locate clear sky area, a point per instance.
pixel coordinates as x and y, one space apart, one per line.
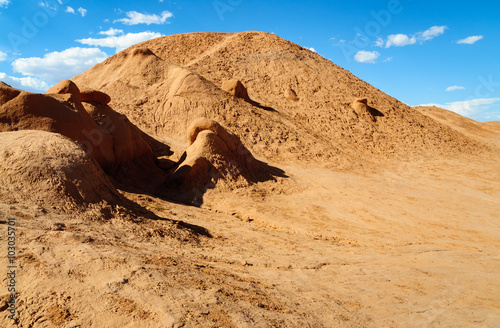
444 53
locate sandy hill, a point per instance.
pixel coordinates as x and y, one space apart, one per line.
483 131
297 195
301 104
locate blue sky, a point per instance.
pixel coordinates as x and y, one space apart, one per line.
421 52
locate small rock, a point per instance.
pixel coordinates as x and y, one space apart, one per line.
236 88
290 94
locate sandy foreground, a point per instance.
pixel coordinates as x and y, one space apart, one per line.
410 246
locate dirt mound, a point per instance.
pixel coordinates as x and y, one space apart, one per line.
7 93
215 156
60 113
164 84
488 132
134 160
51 170
108 136
161 98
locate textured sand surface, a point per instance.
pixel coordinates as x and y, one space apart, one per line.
311 206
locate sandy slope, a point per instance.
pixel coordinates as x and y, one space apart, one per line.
413 247
486 132
392 222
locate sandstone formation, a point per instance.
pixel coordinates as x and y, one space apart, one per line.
216 156
83 116
60 113
65 86
91 95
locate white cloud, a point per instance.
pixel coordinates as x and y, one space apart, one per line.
46 4
121 42
82 11
135 18
30 83
111 32
468 107
57 66
470 40
4 3
399 40
432 32
312 49
366 56
3 56
455 87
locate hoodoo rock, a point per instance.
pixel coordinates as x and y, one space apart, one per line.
83 116
91 95
60 113
216 155
63 87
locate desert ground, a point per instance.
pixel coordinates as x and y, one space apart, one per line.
240 180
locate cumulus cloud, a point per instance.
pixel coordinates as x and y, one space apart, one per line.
57 66
401 40
69 10
468 107
364 56
454 88
4 3
121 42
111 32
25 83
3 56
135 18
312 49
470 40
82 11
